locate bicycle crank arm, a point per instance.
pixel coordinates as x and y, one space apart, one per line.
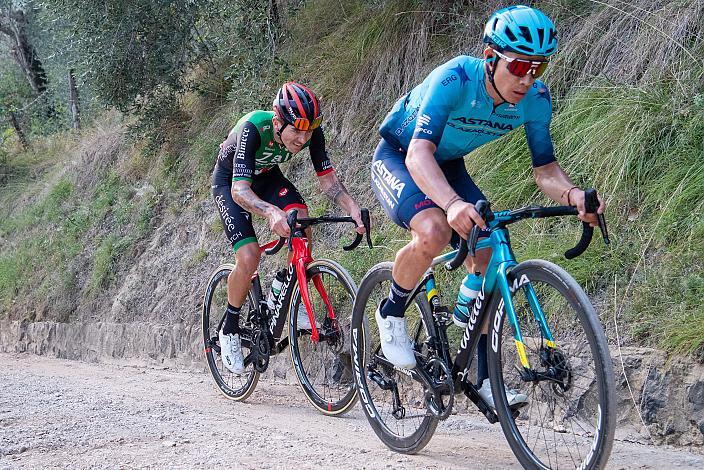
471 391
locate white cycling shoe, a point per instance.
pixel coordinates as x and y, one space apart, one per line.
231 353
515 398
395 343
303 322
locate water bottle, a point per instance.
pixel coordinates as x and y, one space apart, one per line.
275 290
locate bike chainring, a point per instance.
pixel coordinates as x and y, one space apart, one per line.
440 399
261 350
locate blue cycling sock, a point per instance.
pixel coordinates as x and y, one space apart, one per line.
394 305
482 364
232 320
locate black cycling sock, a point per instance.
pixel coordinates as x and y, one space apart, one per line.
394 306
232 320
482 364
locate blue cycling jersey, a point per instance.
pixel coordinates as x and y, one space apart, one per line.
452 108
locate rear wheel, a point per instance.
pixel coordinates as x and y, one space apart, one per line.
393 402
569 420
324 368
234 387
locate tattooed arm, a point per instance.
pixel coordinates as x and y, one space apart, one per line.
243 195
336 191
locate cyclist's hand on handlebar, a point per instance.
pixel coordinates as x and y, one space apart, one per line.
462 217
356 214
278 223
577 199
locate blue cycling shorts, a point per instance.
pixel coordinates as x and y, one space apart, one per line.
399 195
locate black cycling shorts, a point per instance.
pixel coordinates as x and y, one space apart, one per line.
272 187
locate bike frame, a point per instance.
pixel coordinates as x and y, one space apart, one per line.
299 260
498 281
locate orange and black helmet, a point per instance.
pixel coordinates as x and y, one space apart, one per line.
296 105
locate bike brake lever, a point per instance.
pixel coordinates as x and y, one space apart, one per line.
483 208
291 221
367 226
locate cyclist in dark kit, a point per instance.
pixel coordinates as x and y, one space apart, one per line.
247 180
418 171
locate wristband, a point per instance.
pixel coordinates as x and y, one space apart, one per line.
567 191
453 200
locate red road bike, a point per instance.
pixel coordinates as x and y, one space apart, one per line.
319 352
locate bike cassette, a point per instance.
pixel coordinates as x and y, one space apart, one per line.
440 399
261 350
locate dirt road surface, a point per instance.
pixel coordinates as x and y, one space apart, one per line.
66 414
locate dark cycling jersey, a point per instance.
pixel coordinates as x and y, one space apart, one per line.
250 150
452 109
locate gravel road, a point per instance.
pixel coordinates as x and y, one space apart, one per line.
66 414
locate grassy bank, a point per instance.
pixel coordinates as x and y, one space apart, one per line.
629 120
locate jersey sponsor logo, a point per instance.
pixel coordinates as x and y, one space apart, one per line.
235 237
243 144
483 122
423 120
283 192
225 216
393 183
245 214
462 73
409 119
381 190
449 80
424 203
508 116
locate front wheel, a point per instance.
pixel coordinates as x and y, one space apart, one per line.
324 368
569 418
234 387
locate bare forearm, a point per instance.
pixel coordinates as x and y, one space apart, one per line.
245 197
553 182
429 177
336 191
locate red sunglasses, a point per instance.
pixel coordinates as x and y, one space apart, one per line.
522 67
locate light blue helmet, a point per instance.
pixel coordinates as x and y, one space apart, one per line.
523 30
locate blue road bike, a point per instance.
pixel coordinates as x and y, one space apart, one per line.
545 339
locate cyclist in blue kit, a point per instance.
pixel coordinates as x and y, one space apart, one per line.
418 171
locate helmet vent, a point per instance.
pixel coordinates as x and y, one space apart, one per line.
541 35
510 35
525 32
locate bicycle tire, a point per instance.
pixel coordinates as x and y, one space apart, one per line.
232 386
572 400
326 379
362 344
